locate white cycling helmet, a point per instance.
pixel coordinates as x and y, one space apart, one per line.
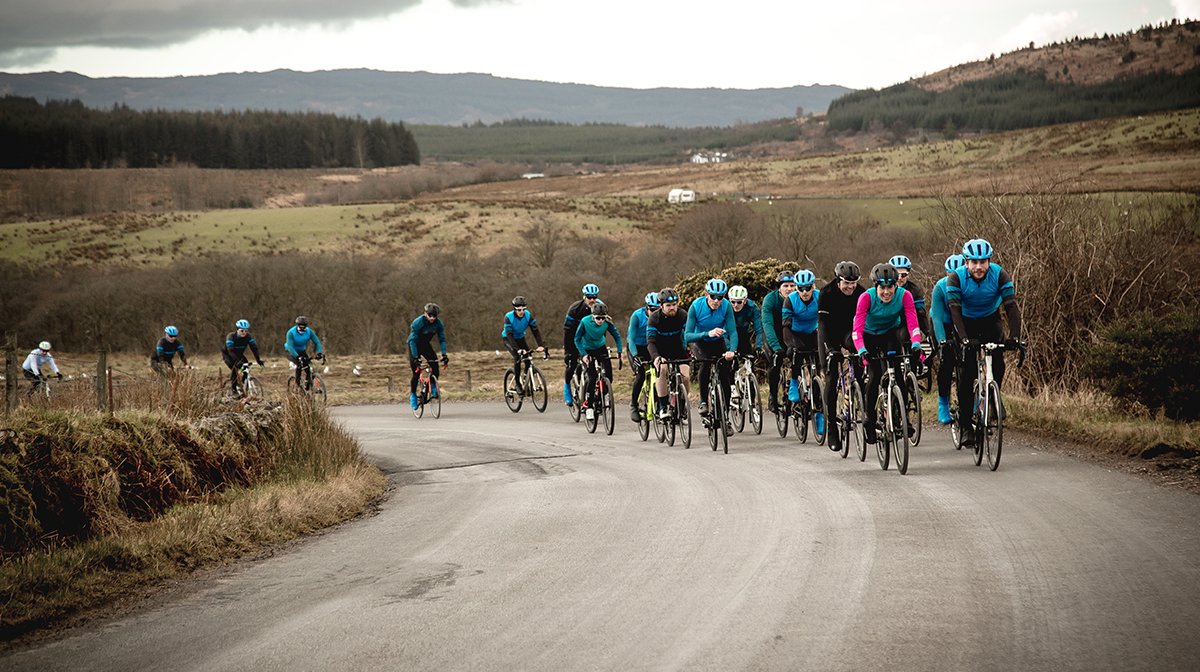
738 292
44 345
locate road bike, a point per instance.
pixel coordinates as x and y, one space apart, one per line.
912 402
676 418
850 415
40 388
533 384
783 409
428 392
313 385
649 416
599 402
891 418
248 385
575 385
987 416
804 412
744 400
717 420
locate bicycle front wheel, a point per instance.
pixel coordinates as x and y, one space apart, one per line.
857 430
800 419
783 414
712 414
993 434
435 397
253 389
511 398
319 392
607 408
577 397
818 403
977 426
540 395
683 412
719 418
899 429
756 409
913 409
883 433
738 415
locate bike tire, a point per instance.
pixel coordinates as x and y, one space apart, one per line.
899 430
977 424
819 402
858 416
756 407
541 396
913 408
738 415
712 414
253 389
994 430
800 420
883 434
720 419
783 414
434 397
511 398
422 393
576 396
607 406
683 412
319 393
955 435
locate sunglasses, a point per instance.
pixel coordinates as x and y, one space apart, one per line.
886 283
806 288
903 275
737 302
591 297
716 297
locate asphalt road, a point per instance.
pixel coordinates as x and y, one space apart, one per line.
520 542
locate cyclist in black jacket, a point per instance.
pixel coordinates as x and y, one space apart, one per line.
578 310
664 340
835 320
234 352
164 353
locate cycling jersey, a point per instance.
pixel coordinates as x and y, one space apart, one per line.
166 350
801 315
421 333
36 358
701 319
835 316
578 310
939 311
635 335
664 335
749 317
772 320
979 298
590 336
876 318
297 341
515 328
235 346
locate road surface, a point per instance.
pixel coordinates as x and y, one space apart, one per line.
520 542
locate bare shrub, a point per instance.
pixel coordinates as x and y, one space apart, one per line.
715 235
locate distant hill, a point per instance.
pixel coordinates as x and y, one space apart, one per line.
426 98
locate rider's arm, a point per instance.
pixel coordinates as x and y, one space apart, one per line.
413 331
860 322
634 322
1008 298
182 355
254 349
758 326
617 337
579 333
651 340
690 335
570 327
289 343
937 312
509 336
770 305
910 314
316 341
537 333
441 334
954 295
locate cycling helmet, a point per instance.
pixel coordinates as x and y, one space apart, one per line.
591 290
242 324
977 248
44 345
954 262
847 270
785 276
805 278
652 299
716 287
302 320
599 310
171 331
900 261
668 295
432 309
884 274
518 302
738 293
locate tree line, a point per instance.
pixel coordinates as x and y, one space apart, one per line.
67 134
1022 99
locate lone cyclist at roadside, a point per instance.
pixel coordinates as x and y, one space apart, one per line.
975 293
296 345
589 341
800 334
712 333
835 321
164 353
945 336
748 318
575 314
881 310
234 351
420 344
664 340
516 322
32 367
772 321
639 355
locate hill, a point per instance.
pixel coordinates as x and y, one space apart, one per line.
427 98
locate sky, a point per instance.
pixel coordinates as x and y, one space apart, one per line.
738 44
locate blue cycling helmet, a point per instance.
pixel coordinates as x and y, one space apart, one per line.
977 248
954 262
805 278
900 261
716 287
242 324
171 331
785 276
652 299
591 290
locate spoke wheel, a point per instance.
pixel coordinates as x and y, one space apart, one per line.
540 395
913 408
253 389
422 395
719 417
511 397
883 434
993 434
683 412
955 435
590 423
576 396
783 414
318 390
819 406
857 431
712 414
800 420
607 408
434 396
977 422
738 415
756 407
899 429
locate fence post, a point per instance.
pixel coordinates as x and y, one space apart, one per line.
468 380
10 373
101 375
109 398
391 385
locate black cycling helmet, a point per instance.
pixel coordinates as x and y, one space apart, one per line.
518 301
884 274
785 276
600 310
432 309
668 295
847 270
302 320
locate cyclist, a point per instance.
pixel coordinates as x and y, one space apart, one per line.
835 321
234 351
575 314
880 311
664 340
639 355
296 344
975 293
944 334
800 333
516 322
748 318
32 367
712 332
164 353
589 342
772 321
420 344
904 268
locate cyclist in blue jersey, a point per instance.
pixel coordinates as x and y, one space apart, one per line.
589 342
835 321
639 355
975 294
881 310
945 337
576 312
772 322
800 333
234 351
296 344
748 319
712 332
32 367
164 353
664 340
516 322
904 272
420 344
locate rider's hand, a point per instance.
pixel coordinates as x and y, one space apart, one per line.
445 360
729 355
970 344
540 348
260 363
658 361
586 359
620 362
59 374
716 333
916 346
1010 344
521 351
320 356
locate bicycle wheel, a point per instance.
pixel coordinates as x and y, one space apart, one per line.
993 434
319 393
819 407
913 408
883 434
756 409
422 395
720 420
511 397
800 419
738 415
899 422
292 386
955 435
590 417
858 415
539 393
842 422
712 413
783 414
977 426
683 412
253 389
608 407
576 389
434 397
